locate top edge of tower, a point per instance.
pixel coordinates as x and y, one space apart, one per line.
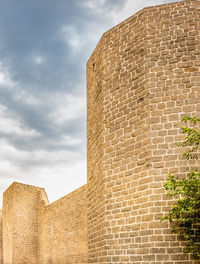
16 184
140 12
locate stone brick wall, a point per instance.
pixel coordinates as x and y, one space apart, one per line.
20 224
63 230
96 201
1 239
142 78
7 223
35 231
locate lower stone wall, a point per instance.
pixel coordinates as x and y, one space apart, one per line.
7 226
20 224
63 230
1 239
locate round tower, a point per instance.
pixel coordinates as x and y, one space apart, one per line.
143 76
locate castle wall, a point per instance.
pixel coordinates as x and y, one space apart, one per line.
63 230
96 201
7 214
20 224
142 78
1 239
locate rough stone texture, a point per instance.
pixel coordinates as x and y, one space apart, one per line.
143 76
20 224
7 223
1 239
35 231
63 230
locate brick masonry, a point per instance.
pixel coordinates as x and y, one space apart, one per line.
20 224
143 76
35 231
63 230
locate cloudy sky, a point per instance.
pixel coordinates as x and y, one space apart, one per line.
44 47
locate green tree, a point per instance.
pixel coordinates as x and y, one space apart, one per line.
185 213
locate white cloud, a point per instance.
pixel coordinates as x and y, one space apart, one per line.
50 158
22 96
26 160
130 8
18 93
62 179
60 172
71 36
12 125
38 59
82 42
5 80
67 107
69 141
94 5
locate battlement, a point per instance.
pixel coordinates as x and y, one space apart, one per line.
142 77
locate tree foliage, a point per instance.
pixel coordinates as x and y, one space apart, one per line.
192 138
185 214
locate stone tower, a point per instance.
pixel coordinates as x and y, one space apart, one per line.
20 224
36 232
143 76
